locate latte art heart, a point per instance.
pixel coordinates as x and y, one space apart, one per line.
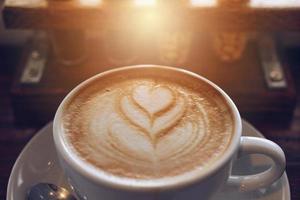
152 110
148 127
153 99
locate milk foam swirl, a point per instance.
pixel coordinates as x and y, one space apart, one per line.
154 114
147 129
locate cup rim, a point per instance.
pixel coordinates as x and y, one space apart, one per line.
103 178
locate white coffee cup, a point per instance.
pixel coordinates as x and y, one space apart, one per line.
91 183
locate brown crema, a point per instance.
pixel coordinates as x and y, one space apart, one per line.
148 123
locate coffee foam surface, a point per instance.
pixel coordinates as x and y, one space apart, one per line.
148 127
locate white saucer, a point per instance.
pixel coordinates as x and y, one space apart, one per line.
38 163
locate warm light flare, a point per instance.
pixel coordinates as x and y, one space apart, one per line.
274 3
90 3
198 3
149 22
145 2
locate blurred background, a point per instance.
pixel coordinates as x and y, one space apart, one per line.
250 48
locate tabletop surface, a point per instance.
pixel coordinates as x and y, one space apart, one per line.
13 139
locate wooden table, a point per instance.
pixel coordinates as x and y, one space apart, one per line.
12 139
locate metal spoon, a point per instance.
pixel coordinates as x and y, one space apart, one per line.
48 191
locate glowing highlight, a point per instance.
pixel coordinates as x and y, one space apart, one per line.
145 2
199 3
90 3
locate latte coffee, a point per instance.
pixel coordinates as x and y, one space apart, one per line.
147 123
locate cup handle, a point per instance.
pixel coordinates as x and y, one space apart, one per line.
254 145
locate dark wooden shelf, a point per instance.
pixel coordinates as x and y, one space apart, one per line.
243 79
75 14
